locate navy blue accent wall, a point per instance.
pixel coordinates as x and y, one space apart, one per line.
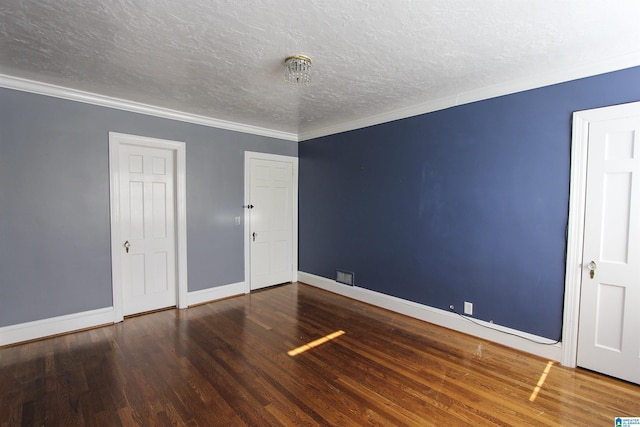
54 202
464 204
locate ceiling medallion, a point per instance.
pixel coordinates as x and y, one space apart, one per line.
297 70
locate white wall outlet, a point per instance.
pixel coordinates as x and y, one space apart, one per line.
237 219
468 308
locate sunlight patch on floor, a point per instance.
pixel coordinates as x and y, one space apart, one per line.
541 381
315 343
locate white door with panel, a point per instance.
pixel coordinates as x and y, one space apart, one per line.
609 325
147 221
271 196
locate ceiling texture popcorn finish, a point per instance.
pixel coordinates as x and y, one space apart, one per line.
224 59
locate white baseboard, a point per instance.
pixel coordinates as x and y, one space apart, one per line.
72 322
13 334
55 325
492 332
212 294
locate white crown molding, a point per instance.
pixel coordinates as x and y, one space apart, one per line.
25 85
550 78
496 333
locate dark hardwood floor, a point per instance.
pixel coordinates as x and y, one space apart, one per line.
226 363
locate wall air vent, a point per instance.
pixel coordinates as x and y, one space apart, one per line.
345 277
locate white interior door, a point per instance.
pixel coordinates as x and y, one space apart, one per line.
147 221
271 221
609 325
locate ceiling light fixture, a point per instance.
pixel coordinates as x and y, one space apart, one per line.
297 70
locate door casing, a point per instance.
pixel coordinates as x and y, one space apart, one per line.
248 155
577 210
115 141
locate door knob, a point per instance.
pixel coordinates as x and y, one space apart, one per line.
127 245
254 236
592 268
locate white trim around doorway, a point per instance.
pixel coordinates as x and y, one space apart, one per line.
575 229
115 140
248 155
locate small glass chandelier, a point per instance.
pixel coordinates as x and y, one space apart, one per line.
297 70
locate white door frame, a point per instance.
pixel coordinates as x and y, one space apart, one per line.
248 155
179 148
575 231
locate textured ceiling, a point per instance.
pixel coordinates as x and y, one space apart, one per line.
223 59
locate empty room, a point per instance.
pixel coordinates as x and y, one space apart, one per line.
266 213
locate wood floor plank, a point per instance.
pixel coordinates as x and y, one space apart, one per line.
226 363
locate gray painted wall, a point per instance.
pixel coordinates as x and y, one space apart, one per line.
54 202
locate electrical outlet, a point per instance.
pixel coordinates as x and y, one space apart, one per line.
468 308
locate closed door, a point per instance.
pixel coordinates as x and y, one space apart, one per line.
147 213
270 222
609 325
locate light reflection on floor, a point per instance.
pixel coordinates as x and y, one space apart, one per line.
541 381
315 343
